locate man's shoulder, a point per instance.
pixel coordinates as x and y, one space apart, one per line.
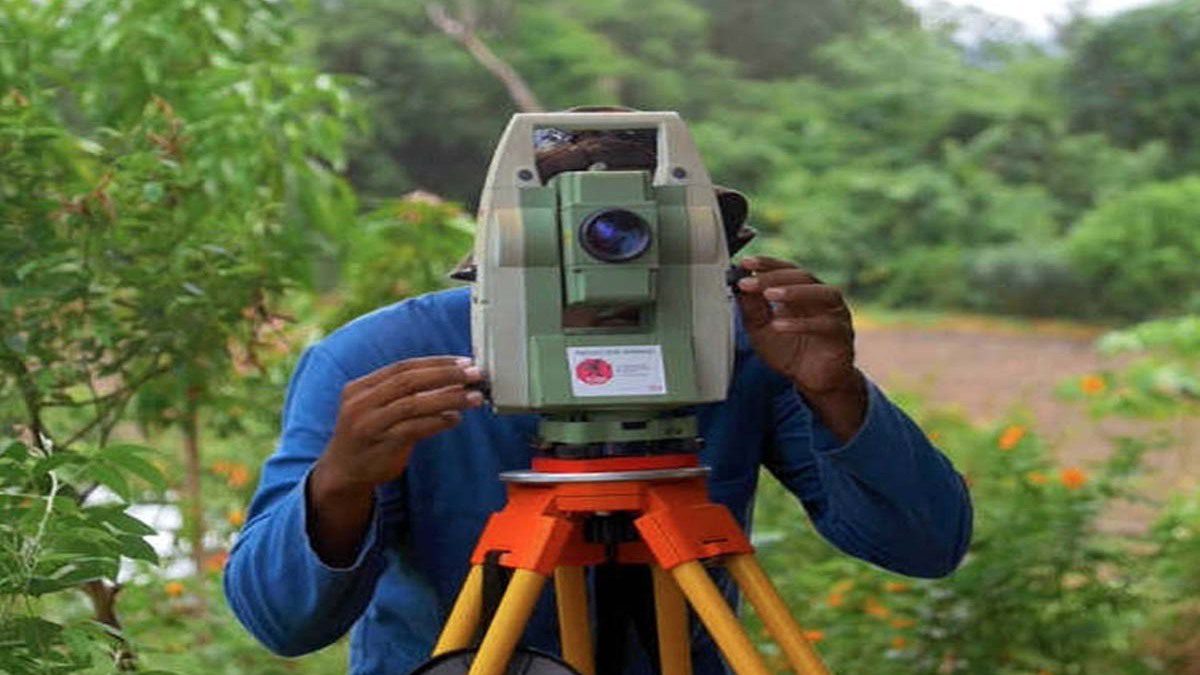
428 324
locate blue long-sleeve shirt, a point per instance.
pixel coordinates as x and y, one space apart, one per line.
887 496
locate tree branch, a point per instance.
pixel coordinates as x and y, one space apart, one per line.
463 32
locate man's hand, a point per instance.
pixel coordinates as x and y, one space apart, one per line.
382 416
802 329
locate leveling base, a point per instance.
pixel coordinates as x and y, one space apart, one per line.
544 532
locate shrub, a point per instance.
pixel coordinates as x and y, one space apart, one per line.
1041 589
1027 279
1139 250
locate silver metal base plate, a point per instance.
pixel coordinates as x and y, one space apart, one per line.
603 476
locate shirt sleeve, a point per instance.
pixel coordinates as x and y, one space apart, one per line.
886 496
275 582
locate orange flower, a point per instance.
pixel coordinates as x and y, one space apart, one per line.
814 635
843 586
239 475
236 517
895 586
835 600
1092 385
934 436
1072 477
899 642
174 589
1010 437
1036 478
902 623
873 608
220 467
216 562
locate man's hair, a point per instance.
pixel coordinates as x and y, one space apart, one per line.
558 151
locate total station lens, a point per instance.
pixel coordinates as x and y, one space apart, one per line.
615 235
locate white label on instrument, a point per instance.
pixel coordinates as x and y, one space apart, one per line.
634 370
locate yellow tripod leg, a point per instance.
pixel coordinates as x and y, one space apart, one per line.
464 617
779 622
670 614
508 624
719 619
576 635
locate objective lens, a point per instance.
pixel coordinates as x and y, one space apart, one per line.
615 235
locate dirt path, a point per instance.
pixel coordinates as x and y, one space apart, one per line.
986 371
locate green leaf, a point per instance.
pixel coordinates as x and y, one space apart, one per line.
135 547
109 476
128 457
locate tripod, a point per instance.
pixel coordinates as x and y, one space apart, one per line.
548 529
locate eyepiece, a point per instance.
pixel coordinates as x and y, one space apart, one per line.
614 235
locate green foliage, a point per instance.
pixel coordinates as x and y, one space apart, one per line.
1173 632
166 169
1138 251
406 247
1159 376
1133 78
52 539
1042 588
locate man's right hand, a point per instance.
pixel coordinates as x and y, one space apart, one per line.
381 417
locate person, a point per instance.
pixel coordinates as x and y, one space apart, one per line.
386 470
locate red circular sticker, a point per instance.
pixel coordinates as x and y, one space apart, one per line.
594 371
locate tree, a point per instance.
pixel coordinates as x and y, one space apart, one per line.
1133 77
166 168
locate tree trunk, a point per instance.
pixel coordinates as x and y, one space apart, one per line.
104 606
192 468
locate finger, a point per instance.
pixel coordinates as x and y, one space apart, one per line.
387 372
812 297
410 382
780 277
416 429
756 312
832 326
453 398
762 263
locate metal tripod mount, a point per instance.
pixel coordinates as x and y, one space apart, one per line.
547 530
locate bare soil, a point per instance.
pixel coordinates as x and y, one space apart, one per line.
987 371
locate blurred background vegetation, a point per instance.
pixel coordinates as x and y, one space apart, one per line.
192 191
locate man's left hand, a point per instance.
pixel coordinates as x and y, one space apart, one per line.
802 329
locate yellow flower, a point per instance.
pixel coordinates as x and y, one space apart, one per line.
1036 478
174 589
895 586
1092 385
1072 477
1011 437
814 635
236 517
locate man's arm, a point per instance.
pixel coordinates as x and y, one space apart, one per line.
869 477
885 495
306 563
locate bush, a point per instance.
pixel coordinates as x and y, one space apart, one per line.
1041 589
1140 250
1027 279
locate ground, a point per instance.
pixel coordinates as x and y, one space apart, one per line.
985 369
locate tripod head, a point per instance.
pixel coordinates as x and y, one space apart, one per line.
601 298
